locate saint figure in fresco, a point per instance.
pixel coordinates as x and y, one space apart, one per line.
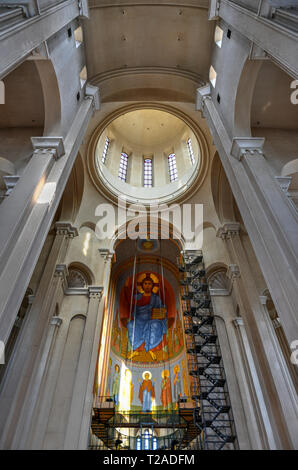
166 395
184 375
147 326
109 377
116 385
177 385
147 392
128 387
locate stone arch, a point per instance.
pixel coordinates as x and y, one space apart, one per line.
79 275
244 97
159 224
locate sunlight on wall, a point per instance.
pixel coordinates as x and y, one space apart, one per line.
86 243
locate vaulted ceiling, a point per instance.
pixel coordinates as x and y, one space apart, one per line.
158 40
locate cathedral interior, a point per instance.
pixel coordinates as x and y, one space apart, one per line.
124 327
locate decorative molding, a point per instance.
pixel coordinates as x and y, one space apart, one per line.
213 13
106 254
95 291
61 272
65 228
256 52
31 298
203 94
56 321
45 144
276 323
233 272
84 9
284 182
219 284
228 230
10 182
76 278
92 92
247 146
76 291
238 321
263 299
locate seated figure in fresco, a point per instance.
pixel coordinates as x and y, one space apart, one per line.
148 325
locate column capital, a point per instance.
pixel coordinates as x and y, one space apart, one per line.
65 228
56 321
284 182
238 321
213 13
203 94
44 144
247 146
92 92
228 230
95 292
233 271
263 299
61 271
10 182
31 298
106 254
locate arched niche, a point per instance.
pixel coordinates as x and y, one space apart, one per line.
32 108
23 114
79 275
244 97
274 116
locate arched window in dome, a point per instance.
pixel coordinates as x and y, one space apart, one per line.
190 151
105 150
172 167
123 166
212 76
148 172
218 35
146 440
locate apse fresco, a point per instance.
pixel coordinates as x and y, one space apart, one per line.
147 366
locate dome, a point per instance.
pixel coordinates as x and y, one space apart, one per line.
147 155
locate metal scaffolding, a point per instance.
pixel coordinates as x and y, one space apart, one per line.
212 410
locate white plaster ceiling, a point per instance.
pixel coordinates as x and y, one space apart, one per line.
129 34
148 128
271 105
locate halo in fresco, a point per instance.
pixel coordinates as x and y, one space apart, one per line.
154 279
147 245
146 372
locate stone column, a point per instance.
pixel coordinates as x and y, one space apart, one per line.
222 302
23 214
256 412
269 217
18 395
79 421
108 257
281 409
29 210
